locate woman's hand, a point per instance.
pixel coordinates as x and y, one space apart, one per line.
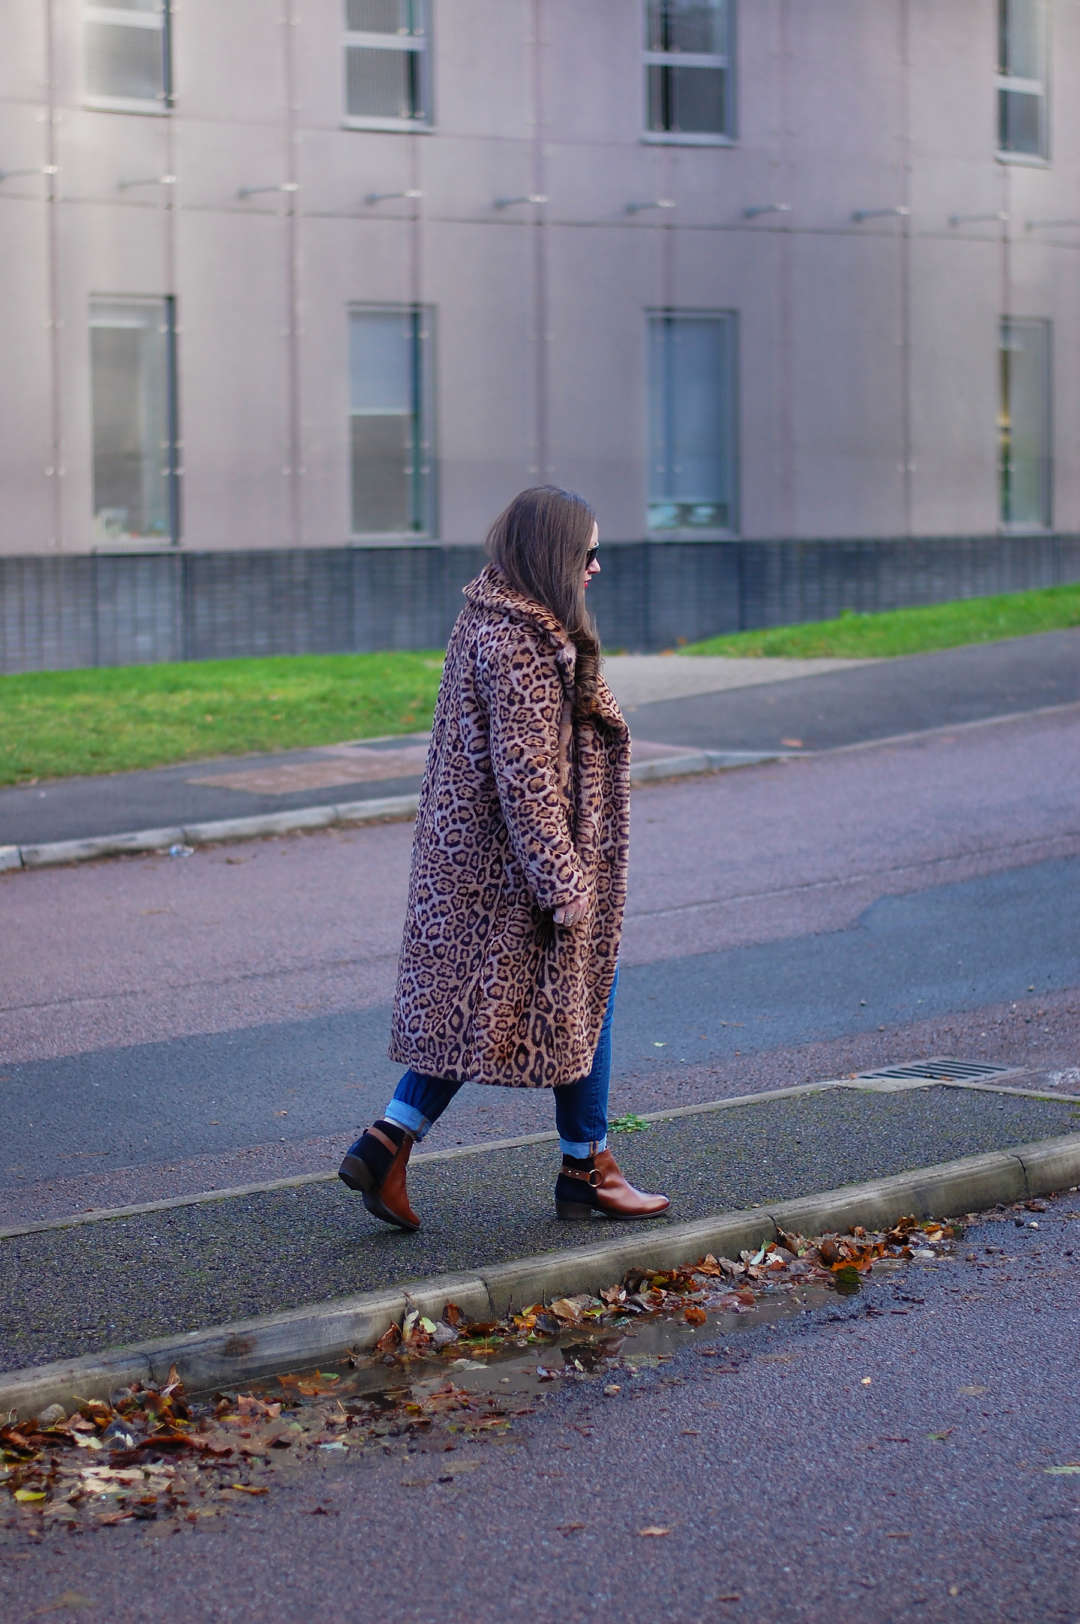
570 913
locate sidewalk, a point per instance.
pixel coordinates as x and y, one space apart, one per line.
233 1285
687 714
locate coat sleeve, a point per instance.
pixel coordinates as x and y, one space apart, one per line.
521 687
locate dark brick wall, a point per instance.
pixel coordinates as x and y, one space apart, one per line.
112 609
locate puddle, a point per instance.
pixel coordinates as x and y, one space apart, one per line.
158 1455
375 1386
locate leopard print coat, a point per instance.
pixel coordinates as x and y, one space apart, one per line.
523 807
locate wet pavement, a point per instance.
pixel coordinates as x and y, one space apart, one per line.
90 1286
908 1452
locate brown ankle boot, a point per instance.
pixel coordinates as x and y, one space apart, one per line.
382 1182
601 1187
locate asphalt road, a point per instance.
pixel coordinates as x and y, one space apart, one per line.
172 1025
891 1456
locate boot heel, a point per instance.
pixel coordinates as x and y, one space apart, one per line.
573 1209
356 1173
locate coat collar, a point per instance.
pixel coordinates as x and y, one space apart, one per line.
491 590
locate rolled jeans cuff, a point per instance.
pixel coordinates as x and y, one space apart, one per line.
408 1117
582 1148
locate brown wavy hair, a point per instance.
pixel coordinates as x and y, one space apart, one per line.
540 543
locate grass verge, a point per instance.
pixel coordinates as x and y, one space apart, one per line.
62 723
59 724
908 631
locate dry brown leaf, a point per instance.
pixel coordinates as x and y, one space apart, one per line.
389 1340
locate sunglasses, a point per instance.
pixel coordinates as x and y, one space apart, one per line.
590 556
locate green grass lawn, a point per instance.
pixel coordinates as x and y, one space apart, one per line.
908 631
59 723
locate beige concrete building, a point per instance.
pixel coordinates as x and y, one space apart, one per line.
337 277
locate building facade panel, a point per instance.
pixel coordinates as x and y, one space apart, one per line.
24 134
843 206
483 53
28 461
600 285
580 106
951 46
24 61
339 170
480 283
99 153
229 62
847 375
233 342
955 297
846 79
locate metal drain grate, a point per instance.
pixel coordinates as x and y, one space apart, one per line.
936 1071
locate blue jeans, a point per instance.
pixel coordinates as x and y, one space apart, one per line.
580 1108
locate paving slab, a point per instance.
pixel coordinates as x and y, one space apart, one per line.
83 1287
877 700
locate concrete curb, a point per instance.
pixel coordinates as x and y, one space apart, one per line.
200 834
262 824
320 1333
388 807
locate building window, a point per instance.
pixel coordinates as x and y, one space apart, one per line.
1025 456
128 55
689 89
387 72
390 422
134 420
692 421
1021 78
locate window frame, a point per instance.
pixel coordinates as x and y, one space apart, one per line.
725 60
159 21
1032 87
1030 527
422 374
165 304
718 532
419 43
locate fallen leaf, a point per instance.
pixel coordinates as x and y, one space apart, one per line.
246 1488
67 1601
568 1309
792 744
653 1532
570 1528
695 1316
26 1495
1063 1471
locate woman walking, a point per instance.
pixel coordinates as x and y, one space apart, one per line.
510 954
